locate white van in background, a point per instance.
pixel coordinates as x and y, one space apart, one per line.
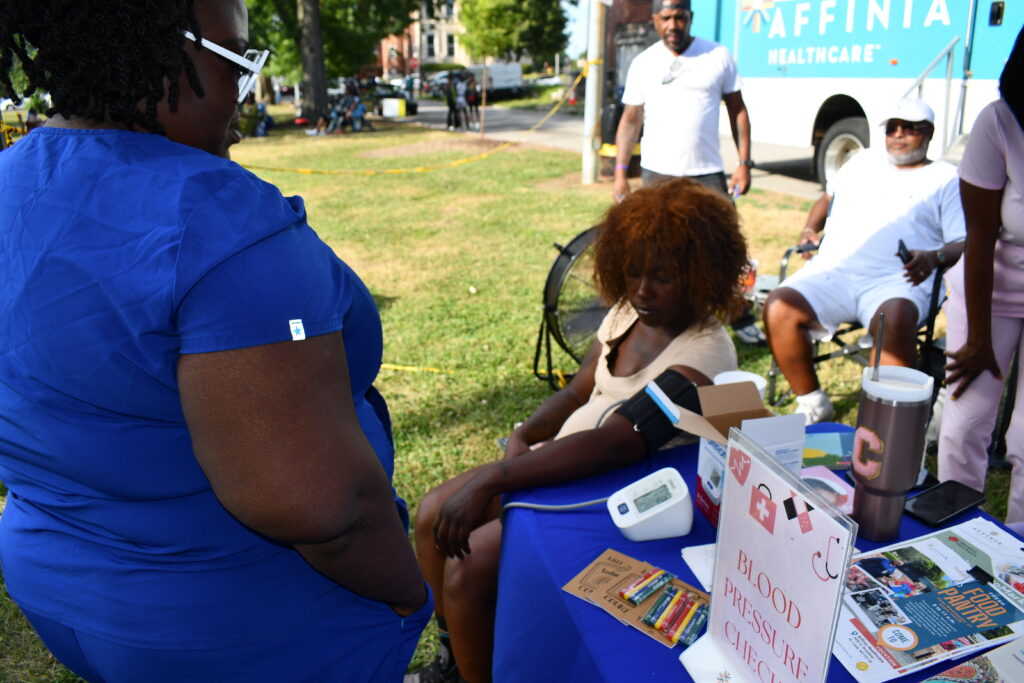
504 79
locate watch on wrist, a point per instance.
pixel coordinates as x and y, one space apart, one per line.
940 256
747 162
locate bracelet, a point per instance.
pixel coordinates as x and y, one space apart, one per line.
622 167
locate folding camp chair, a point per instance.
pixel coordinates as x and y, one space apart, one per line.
930 352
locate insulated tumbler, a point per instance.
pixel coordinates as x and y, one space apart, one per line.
888 447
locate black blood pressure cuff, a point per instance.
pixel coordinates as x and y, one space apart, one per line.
648 417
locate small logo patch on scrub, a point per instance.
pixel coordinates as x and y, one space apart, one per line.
298 331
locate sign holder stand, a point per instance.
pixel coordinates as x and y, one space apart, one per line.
780 569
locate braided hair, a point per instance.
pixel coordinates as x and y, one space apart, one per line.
99 59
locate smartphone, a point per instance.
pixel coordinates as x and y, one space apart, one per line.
943 502
903 253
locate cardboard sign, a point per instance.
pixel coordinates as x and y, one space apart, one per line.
780 562
600 582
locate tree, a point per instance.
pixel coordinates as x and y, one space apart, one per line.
348 33
511 29
311 47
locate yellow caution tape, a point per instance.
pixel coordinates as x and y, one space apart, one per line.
412 368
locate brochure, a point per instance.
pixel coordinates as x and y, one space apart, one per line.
918 602
833 450
1005 664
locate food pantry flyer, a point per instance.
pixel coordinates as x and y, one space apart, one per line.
915 603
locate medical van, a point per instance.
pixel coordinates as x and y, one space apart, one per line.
822 72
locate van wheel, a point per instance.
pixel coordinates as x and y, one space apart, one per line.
842 140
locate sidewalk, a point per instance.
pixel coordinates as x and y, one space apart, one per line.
779 168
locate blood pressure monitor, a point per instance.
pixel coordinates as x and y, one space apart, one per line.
657 506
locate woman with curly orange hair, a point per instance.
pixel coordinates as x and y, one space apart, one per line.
668 259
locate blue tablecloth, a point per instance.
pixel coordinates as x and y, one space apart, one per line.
544 634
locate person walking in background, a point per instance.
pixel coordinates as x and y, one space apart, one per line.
985 309
461 105
673 92
449 96
473 102
198 463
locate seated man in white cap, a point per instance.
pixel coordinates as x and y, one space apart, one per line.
873 202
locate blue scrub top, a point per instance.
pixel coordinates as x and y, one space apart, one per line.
119 252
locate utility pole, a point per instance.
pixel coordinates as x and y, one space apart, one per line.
595 91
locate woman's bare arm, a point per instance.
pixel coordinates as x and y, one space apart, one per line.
275 430
549 417
614 444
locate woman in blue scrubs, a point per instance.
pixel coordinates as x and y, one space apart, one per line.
198 464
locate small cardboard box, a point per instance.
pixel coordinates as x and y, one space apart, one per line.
731 405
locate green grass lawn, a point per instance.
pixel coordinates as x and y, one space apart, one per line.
456 259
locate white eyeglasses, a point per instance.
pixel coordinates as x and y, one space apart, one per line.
252 61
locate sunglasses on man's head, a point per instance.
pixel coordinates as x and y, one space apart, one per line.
673 72
250 64
915 128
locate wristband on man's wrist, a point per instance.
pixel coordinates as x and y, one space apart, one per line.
622 167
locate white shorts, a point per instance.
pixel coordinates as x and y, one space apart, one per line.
839 297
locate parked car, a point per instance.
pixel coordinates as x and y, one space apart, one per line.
548 80
400 83
437 83
7 104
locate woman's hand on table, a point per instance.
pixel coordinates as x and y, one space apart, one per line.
967 363
463 512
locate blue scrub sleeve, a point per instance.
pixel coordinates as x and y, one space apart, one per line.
287 286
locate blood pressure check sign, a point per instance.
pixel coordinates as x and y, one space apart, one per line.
762 508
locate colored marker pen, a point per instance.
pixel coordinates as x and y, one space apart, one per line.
696 625
681 609
678 599
641 581
659 605
649 590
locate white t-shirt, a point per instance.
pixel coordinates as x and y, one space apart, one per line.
875 204
681 117
994 160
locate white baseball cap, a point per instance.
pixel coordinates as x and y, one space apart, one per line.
909 109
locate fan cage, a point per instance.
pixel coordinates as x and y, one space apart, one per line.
571 324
